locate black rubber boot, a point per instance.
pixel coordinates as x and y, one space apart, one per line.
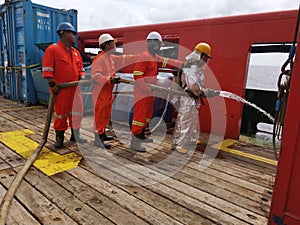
59 139
76 137
104 137
147 131
99 142
143 138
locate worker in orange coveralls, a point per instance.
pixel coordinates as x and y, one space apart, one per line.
63 63
145 71
103 72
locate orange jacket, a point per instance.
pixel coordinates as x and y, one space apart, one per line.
107 66
147 68
103 67
65 66
145 71
59 65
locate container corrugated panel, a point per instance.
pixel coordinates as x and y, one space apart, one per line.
2 78
26 29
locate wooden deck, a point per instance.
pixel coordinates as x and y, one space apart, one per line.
88 185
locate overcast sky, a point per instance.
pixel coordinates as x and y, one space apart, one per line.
97 14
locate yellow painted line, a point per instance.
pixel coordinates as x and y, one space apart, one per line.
22 108
48 162
228 142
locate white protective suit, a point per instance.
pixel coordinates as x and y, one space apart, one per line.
187 124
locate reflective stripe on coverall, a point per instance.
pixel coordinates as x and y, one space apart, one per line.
145 71
65 66
103 67
187 123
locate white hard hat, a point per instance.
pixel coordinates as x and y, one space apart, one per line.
154 36
104 38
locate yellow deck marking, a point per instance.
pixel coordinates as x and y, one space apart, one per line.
228 142
48 162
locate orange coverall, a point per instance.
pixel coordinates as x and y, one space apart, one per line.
103 67
145 71
65 66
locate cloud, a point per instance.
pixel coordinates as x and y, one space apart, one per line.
95 14
163 11
113 14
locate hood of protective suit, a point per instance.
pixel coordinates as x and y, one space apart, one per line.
193 56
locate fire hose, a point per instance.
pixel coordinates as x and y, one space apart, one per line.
283 90
6 201
207 91
156 88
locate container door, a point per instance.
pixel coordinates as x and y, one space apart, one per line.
2 78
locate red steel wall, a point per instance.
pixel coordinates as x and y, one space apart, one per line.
231 39
285 205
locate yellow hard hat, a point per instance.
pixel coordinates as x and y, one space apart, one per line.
203 47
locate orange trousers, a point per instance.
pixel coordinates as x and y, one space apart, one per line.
68 106
142 114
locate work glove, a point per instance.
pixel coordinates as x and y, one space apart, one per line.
54 87
81 78
115 80
191 94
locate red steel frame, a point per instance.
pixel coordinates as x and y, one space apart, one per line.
285 207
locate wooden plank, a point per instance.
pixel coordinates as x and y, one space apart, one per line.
3 163
36 204
222 187
168 206
260 174
20 124
232 190
63 199
126 200
31 124
204 214
215 202
11 158
254 149
17 214
225 170
215 184
250 176
255 204
238 159
97 201
270 170
192 200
